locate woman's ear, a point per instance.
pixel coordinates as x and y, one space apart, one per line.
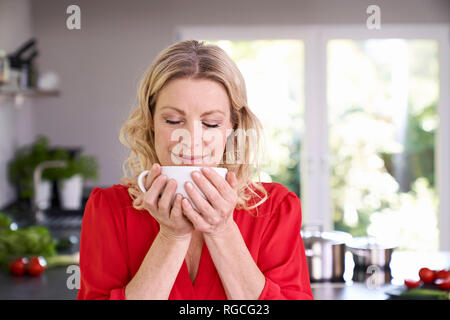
152 125
231 127
151 109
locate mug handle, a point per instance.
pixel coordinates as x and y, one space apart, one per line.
140 178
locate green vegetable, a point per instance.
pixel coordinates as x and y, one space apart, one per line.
62 260
427 294
62 243
5 221
25 242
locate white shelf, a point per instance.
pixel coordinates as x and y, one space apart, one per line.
30 93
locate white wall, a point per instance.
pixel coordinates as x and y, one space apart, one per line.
16 124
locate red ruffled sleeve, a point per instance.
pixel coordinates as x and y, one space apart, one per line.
103 267
282 257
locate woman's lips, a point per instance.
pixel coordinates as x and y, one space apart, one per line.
189 158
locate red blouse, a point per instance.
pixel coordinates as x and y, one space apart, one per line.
115 238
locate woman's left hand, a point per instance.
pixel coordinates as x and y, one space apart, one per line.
216 211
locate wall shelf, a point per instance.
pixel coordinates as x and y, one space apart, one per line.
19 96
30 93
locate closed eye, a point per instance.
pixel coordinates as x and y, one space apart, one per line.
204 123
172 122
210 125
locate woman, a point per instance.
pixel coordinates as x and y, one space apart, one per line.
244 240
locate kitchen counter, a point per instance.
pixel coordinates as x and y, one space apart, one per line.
53 283
374 284
50 285
348 291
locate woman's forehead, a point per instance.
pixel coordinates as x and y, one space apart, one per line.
193 95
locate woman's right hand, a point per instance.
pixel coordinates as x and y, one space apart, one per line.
173 224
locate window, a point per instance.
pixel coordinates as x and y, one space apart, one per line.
369 115
382 101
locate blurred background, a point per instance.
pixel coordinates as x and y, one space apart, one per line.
353 99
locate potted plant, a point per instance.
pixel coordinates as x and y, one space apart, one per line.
21 168
71 179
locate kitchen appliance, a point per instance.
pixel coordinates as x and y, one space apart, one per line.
368 251
373 276
23 71
4 68
325 253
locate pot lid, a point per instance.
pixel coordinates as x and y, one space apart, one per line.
318 239
317 235
369 243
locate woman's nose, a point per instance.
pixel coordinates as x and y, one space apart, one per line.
195 131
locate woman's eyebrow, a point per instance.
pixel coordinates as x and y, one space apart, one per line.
176 109
203 114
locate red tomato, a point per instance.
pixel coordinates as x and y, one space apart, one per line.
411 284
37 266
443 284
18 266
443 274
426 275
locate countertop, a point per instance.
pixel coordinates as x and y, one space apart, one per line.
358 284
53 283
375 284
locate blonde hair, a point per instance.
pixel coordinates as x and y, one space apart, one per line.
195 60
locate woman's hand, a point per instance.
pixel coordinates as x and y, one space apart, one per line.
170 218
216 212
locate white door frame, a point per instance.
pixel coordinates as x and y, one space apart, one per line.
314 162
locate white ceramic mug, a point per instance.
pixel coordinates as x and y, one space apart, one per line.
181 174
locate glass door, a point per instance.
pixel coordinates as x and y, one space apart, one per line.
382 97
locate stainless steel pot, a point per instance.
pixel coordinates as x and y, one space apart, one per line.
325 253
368 251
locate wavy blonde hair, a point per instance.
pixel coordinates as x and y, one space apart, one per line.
195 60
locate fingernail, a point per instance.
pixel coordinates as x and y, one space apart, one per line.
206 169
196 174
189 185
